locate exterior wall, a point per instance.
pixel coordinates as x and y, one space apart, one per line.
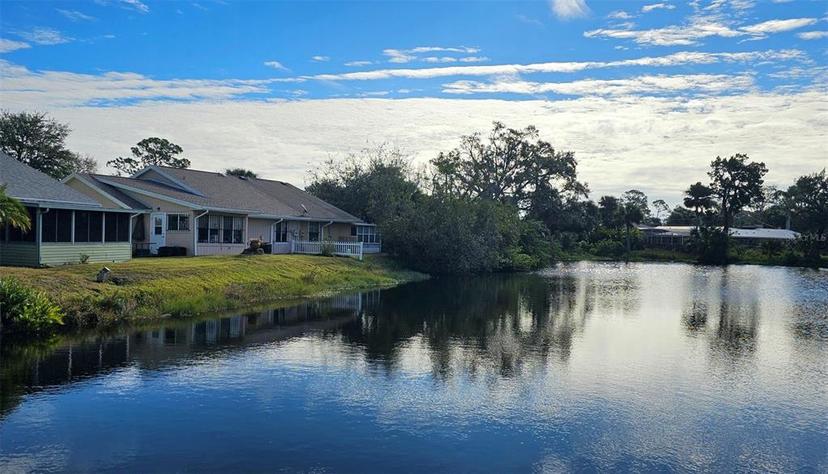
53 254
173 238
86 190
21 254
220 249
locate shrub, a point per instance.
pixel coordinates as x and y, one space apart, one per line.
608 248
327 248
710 244
25 310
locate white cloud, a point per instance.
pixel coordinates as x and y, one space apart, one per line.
136 5
778 26
675 59
75 15
321 59
358 63
45 36
48 89
402 56
641 85
567 9
276 65
699 28
7 46
657 6
619 15
813 35
658 145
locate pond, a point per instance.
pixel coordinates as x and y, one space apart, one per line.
644 367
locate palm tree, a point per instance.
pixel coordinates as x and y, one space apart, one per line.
699 198
12 213
631 214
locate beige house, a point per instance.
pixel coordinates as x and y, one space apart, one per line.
209 213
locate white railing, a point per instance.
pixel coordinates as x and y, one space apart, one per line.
345 249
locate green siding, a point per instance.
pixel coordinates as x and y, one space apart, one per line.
53 254
18 254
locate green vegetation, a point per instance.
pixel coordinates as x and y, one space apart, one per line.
13 213
154 287
24 310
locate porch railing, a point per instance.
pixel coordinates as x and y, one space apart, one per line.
345 249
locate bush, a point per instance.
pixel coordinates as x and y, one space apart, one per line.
25 310
608 248
327 248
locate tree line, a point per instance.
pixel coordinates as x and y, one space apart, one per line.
511 201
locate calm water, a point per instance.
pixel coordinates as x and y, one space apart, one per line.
589 367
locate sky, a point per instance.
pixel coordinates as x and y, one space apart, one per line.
645 93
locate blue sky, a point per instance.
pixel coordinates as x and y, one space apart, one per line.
297 82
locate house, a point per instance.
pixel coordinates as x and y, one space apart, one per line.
209 213
66 225
677 236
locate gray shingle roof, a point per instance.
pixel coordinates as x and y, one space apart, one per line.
252 196
30 185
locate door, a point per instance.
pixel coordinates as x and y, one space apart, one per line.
158 231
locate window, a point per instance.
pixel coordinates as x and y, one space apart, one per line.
227 234
81 226
215 229
178 222
157 225
221 229
16 235
202 228
280 232
313 231
57 226
117 227
238 230
88 226
366 234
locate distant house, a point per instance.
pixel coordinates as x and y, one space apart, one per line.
209 213
67 226
675 236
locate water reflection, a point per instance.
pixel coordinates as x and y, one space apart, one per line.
590 366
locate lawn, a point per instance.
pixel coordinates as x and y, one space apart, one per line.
152 287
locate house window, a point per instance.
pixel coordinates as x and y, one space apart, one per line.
227 230
215 229
221 229
57 226
88 226
203 222
157 225
280 232
178 222
238 230
117 227
16 235
313 231
367 234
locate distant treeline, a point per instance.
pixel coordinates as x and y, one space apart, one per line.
510 201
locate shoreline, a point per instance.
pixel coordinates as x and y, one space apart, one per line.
154 289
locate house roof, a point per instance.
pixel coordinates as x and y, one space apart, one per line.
735 232
32 186
212 190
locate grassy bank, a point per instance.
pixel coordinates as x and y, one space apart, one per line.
153 287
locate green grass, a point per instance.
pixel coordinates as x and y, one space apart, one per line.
155 287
